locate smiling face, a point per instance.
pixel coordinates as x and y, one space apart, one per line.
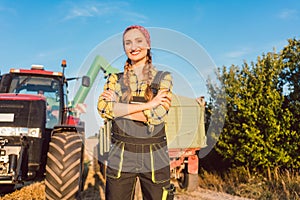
135 46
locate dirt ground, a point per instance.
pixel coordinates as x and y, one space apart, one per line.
94 190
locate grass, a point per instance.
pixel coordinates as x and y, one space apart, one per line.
275 185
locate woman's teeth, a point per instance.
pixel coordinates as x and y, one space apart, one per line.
135 52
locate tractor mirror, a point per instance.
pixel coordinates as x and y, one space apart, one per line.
86 81
54 85
5 82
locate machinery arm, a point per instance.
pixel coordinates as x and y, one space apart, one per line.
98 64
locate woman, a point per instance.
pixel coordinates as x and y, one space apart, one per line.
138 113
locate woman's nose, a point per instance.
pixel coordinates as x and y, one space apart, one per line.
134 46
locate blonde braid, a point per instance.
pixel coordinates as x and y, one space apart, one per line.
147 72
126 97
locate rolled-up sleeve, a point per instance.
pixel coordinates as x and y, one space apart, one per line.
105 108
159 114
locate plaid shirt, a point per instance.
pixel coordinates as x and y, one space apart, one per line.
154 116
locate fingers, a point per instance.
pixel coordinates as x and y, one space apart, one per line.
109 95
201 101
162 98
166 105
163 91
165 95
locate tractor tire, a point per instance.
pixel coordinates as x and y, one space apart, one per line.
64 169
188 182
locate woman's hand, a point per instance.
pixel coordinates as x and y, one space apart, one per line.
161 99
109 95
201 101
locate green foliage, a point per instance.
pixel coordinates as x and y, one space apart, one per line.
289 77
261 127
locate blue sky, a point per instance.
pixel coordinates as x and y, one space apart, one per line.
45 32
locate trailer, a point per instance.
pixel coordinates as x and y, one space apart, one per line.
186 137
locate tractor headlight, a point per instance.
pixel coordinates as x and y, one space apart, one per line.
34 132
18 131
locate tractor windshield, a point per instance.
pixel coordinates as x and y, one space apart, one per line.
48 87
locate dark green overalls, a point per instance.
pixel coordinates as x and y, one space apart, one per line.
138 152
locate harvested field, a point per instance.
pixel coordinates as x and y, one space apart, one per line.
94 190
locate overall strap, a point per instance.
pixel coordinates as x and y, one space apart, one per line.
120 79
156 81
120 75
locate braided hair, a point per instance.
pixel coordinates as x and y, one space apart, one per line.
148 76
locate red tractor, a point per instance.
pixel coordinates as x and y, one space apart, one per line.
39 135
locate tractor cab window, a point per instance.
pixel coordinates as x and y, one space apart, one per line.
5 83
43 86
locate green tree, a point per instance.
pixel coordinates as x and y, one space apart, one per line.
289 85
257 129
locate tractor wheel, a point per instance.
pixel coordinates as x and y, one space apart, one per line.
64 167
188 182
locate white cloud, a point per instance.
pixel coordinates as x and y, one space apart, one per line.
6 13
250 53
237 54
135 17
7 10
288 14
236 57
108 9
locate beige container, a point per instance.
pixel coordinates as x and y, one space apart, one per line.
185 124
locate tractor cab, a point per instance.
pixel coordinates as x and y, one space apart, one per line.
38 82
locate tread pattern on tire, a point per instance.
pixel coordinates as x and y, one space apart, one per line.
63 169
